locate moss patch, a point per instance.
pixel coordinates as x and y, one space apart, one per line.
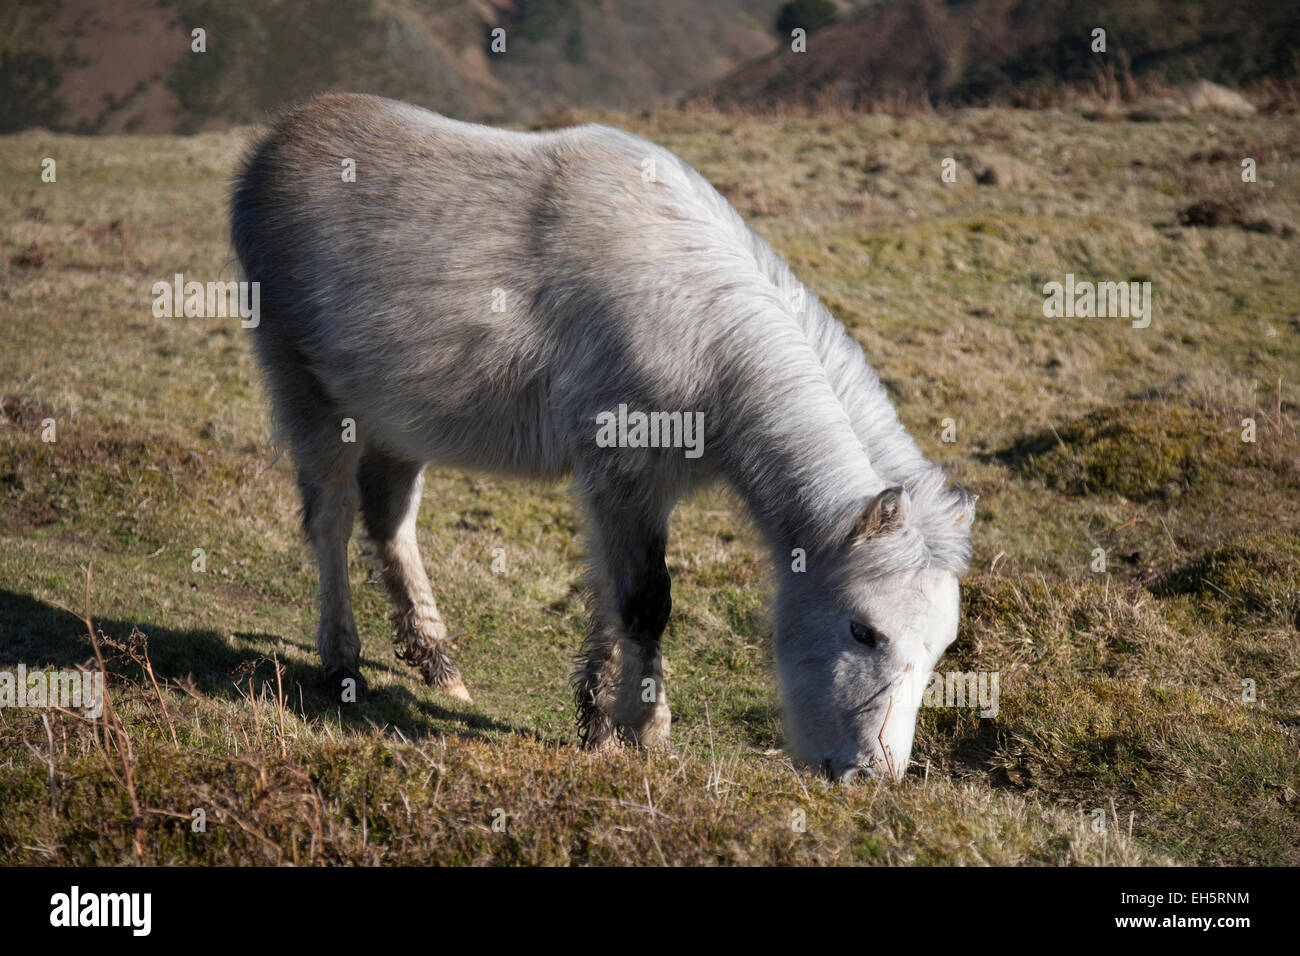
1253 580
1148 450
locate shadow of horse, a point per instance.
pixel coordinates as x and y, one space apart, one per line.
43 636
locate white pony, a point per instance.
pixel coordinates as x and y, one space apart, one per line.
572 303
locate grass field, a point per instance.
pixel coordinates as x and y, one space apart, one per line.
1121 690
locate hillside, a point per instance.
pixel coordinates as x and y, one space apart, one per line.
909 52
127 66
102 66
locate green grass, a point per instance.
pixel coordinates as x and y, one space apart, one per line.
1121 690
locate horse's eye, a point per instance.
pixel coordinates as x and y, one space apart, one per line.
864 633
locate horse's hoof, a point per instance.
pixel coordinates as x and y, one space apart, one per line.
347 686
458 690
601 743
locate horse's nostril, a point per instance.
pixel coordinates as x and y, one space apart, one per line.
874 768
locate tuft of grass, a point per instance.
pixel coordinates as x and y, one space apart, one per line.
1255 580
1145 450
1114 700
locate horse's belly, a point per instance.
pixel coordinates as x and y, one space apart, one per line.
502 433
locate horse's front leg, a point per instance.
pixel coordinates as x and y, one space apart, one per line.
619 683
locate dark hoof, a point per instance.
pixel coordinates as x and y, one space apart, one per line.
346 686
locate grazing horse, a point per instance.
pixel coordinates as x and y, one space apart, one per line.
524 304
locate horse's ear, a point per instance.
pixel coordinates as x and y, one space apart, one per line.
967 515
884 514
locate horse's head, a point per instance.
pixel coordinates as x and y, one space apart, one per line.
859 632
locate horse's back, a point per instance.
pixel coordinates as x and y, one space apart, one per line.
345 193
443 273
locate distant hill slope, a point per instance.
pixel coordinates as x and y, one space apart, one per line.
126 65
969 51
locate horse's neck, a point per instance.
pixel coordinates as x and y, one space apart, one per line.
892 452
791 447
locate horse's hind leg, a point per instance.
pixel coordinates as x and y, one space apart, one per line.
327 467
619 684
390 500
